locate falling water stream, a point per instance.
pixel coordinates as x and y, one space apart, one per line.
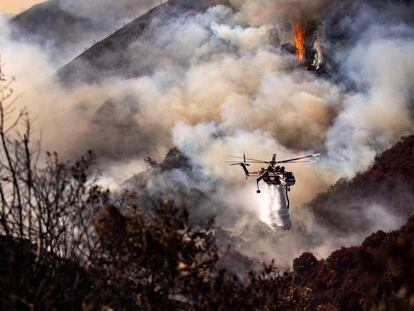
278 207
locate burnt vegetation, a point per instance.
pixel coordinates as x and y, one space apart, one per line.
378 275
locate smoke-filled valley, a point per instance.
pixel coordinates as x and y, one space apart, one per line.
163 92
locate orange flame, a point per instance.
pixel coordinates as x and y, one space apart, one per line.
299 41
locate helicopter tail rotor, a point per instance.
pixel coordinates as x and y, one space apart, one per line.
243 164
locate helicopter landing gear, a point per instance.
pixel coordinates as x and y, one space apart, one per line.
257 182
287 197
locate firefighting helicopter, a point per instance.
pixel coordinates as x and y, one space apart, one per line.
274 174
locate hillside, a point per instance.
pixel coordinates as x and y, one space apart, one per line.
168 181
59 31
117 54
378 275
388 184
66 28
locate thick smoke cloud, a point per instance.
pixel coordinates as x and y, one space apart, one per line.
220 86
376 117
285 12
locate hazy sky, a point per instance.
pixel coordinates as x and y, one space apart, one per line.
16 6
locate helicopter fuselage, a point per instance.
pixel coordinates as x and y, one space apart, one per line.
277 176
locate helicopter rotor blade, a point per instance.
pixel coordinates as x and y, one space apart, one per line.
248 159
240 163
293 162
300 158
247 162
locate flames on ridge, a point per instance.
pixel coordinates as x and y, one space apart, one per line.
299 41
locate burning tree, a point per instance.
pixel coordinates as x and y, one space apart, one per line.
299 40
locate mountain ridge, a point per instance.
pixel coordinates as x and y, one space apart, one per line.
112 50
388 183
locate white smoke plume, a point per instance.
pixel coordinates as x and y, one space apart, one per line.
284 12
221 86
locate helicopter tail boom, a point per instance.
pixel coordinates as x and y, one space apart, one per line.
244 167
